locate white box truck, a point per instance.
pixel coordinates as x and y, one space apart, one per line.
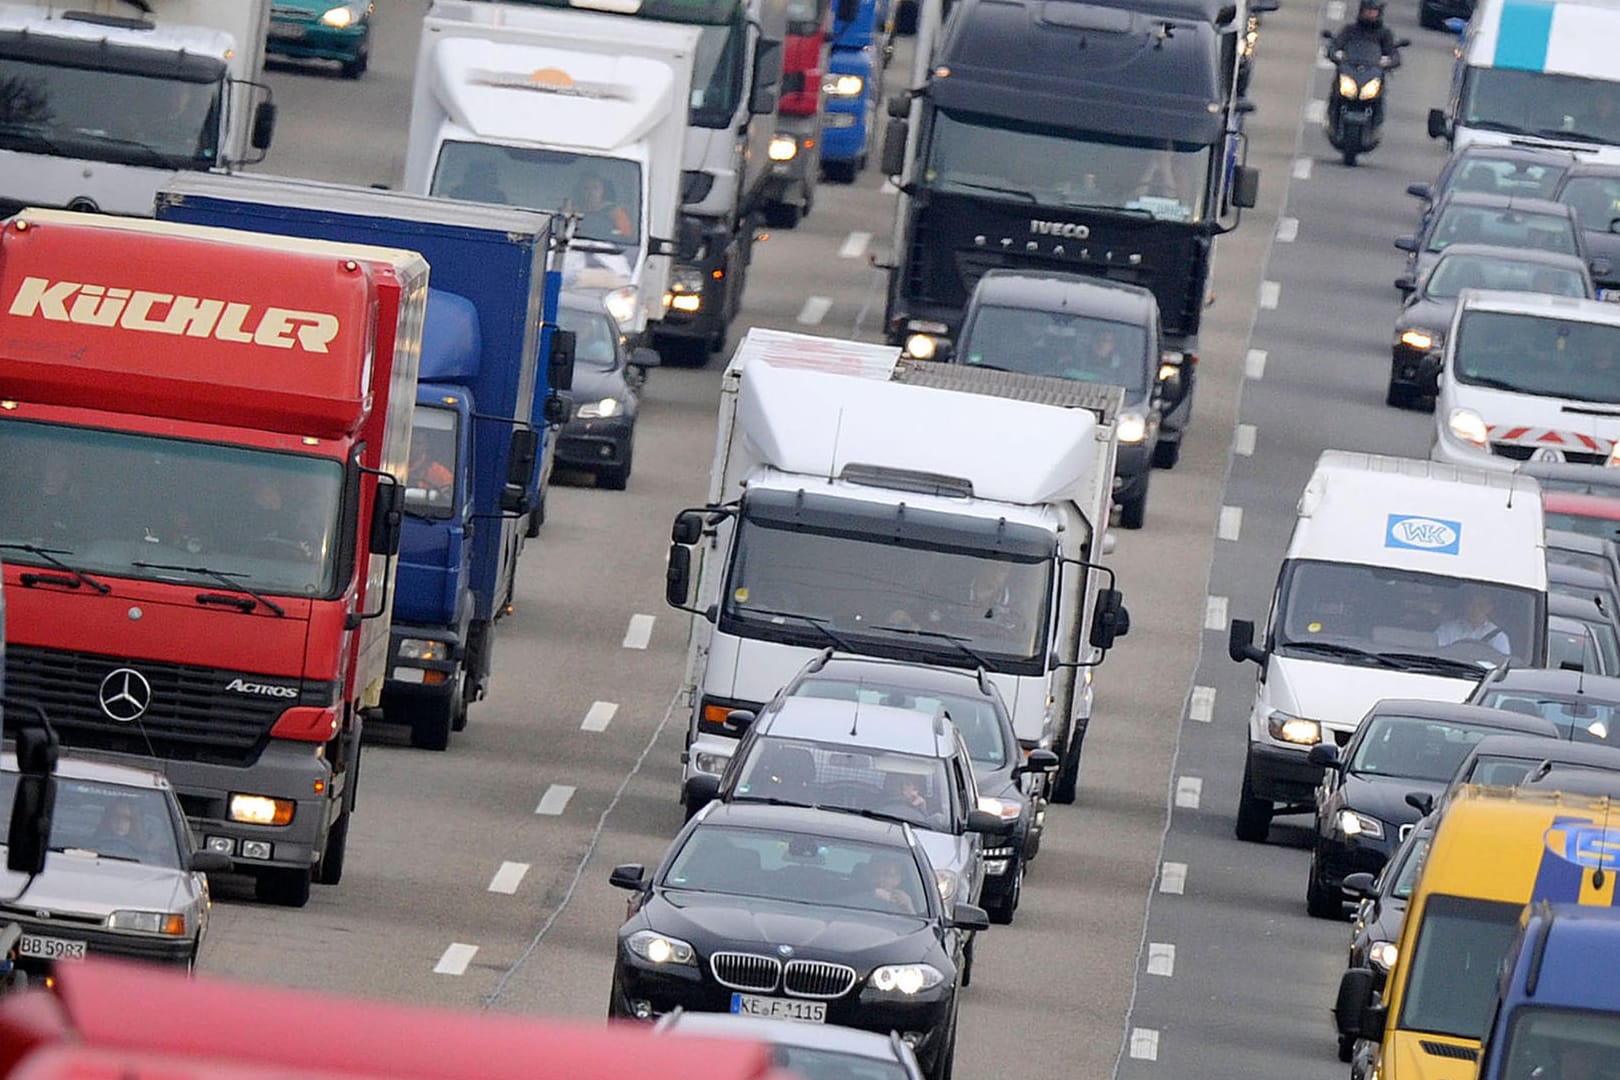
882 507
101 101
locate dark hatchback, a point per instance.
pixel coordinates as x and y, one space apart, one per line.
1504 221
794 913
1380 899
1585 707
1593 192
601 437
322 30
1401 748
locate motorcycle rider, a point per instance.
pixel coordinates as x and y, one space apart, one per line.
1357 42
1369 26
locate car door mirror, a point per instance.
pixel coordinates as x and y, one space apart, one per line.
632 876
643 357
1419 191
1421 801
970 917
988 824
1438 128
1039 760
1358 886
1406 283
210 862
1323 755
701 790
1406 243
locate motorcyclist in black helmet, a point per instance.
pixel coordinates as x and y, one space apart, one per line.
1369 26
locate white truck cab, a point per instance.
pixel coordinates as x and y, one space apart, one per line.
1403 579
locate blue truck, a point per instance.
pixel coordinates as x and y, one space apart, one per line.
860 53
476 483
1557 1010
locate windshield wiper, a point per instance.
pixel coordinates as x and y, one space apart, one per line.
875 815
961 643
1443 663
1346 652
95 853
146 150
50 555
820 625
1490 382
27 134
1573 136
1590 410
1499 125
1133 211
227 580
994 189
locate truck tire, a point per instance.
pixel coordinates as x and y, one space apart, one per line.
1067 785
1166 454
330 870
431 723
1253 823
1133 512
282 886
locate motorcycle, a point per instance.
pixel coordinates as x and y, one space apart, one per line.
1355 108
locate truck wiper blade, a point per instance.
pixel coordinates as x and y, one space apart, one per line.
1102 208
994 189
50 556
1442 663
1571 136
146 150
820 625
1347 652
27 134
1492 383
227 580
1500 125
960 643
1587 410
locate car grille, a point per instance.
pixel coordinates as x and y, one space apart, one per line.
745 971
1517 452
998 852
192 717
1446 1050
817 979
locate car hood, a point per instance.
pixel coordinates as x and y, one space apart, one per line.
591 385
712 921
1339 695
1384 797
93 887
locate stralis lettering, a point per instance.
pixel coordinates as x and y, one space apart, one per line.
165 313
1064 229
266 689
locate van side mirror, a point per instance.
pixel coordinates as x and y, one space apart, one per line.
689 236
560 364
1354 1013
688 528
521 455
1240 644
1419 191
1406 283
1107 617
557 409
631 876
1358 886
678 576
894 147
387 517
1421 801
762 96
643 357
264 126
1040 760
1245 186
1438 128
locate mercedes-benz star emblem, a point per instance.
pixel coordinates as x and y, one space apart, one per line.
125 695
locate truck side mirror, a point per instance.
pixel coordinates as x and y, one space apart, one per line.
557 410
688 528
1438 128
1107 617
1354 1013
898 106
762 96
387 517
678 576
521 455
894 147
689 237
28 838
560 365
264 126
847 11
660 246
1240 644
1245 186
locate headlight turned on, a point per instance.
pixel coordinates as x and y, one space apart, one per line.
782 148
904 978
1005 809
1469 426
621 303
844 86
1354 824
1383 954
655 948
947 884
260 810
1423 340
1132 427
598 410
1294 729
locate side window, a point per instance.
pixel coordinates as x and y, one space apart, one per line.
966 794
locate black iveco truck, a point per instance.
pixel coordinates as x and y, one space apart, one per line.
1070 136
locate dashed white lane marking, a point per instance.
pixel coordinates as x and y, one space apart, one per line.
1202 705
1333 11
815 309
1254 364
855 246
1270 294
1145 1044
599 716
555 800
639 631
508 877
1173 878
1189 792
455 959
1287 230
1302 168
1243 440
1215 613
1315 111
1161 958
1231 523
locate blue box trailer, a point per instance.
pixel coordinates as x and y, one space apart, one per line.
483 393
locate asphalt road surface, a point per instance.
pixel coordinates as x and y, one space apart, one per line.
478 877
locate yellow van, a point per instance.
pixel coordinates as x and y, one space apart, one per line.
1494 851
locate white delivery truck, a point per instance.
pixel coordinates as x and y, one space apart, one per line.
1403 579
105 100
882 507
563 111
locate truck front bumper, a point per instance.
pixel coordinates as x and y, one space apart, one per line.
296 772
1281 774
843 130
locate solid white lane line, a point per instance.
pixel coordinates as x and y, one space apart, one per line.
599 715
1145 1044
815 309
1215 613
1287 230
1302 168
1173 878
1189 792
855 245
1231 524
508 877
1243 440
455 959
639 631
1315 111
555 800
1270 294
1202 706
1254 364
1161 958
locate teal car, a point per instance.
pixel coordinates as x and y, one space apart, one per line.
322 30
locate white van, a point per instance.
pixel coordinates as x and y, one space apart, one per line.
1534 73
1403 579
1528 377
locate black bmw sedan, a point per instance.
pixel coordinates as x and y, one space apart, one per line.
795 913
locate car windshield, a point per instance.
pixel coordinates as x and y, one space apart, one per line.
1051 167
430 480
1512 177
1414 748
1606 527
1605 645
1454 273
1583 719
797 868
91 112
1577 1043
717 77
604 191
974 716
595 338
1565 107
113 821
109 502
1451 981
1460 223
1544 356
1497 770
1595 200
907 787
1053 343
1386 617
1409 867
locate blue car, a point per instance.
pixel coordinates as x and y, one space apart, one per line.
322 30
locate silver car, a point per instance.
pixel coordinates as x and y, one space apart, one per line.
813 1051
122 876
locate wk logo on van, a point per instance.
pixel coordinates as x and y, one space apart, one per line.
168 313
1434 535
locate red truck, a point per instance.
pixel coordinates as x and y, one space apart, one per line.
204 435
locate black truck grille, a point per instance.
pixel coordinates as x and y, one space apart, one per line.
191 715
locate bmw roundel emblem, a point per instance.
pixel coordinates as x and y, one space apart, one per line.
785 950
